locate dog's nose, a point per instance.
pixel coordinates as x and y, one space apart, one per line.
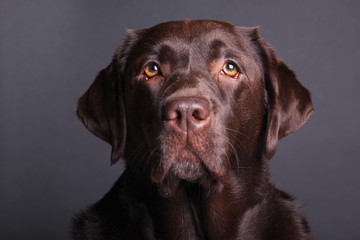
187 114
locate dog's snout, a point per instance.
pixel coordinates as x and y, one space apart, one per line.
187 114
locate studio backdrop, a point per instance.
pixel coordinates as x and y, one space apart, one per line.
50 51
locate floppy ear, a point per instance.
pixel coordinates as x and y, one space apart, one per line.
289 103
101 110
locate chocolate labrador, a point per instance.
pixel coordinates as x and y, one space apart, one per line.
196 108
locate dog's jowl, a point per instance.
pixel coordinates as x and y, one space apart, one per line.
196 109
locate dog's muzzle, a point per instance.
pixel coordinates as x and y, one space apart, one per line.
187 115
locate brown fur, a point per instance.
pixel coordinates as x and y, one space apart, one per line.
195 140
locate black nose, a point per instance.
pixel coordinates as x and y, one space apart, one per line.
187 114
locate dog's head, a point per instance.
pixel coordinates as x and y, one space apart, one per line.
194 101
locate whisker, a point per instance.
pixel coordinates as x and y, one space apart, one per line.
238 132
233 150
237 140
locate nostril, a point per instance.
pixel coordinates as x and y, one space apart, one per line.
173 115
196 115
200 114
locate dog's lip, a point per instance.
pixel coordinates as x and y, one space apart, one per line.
187 169
185 164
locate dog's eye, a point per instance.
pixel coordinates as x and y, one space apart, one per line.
151 70
230 69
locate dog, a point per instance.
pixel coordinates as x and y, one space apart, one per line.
196 108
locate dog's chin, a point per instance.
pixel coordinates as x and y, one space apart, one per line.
184 171
187 172
185 166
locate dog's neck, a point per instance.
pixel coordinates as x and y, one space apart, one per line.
209 214
194 212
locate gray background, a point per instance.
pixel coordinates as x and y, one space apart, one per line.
51 166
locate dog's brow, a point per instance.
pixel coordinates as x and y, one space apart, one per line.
216 44
175 51
166 53
214 49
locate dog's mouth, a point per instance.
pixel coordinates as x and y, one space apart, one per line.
187 165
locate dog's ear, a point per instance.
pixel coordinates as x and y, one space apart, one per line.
289 103
101 110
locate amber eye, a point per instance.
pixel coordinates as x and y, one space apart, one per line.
230 69
151 70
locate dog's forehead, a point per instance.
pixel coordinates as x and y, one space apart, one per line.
189 34
189 43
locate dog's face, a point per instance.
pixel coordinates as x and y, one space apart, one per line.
194 101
